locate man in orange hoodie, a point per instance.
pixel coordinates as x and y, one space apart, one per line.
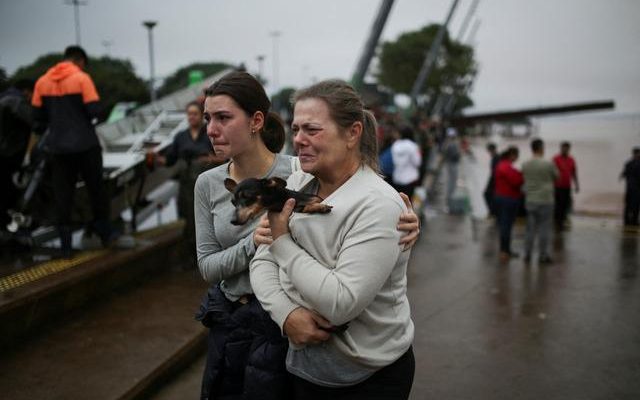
66 102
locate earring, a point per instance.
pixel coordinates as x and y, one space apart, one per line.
253 132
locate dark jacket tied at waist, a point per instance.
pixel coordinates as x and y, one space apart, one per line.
246 351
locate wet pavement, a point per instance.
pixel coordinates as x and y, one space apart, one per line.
490 331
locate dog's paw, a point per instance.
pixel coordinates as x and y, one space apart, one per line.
317 208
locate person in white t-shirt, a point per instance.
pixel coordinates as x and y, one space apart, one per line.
406 162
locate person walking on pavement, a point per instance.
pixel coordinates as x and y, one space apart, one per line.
539 177
451 155
631 173
66 102
491 183
568 172
507 199
406 162
16 119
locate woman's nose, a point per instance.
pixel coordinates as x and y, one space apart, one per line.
211 129
298 139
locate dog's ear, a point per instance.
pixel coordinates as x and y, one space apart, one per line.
277 182
230 184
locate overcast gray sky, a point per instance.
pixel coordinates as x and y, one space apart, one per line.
530 52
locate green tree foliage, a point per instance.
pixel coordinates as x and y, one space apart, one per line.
180 78
400 62
115 79
282 100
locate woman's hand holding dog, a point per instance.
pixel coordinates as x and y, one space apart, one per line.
279 221
262 234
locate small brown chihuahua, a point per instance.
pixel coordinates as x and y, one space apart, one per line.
252 196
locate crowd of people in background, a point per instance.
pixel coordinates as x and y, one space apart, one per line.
541 190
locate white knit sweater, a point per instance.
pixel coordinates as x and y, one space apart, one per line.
346 265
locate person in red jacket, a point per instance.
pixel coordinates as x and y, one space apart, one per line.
65 102
508 182
568 172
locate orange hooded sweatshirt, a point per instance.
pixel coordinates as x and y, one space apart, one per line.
66 101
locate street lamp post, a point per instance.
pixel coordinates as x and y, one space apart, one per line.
152 89
260 59
275 35
107 46
76 10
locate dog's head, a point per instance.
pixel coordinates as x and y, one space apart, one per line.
248 194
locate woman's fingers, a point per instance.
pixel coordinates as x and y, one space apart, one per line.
409 239
301 327
407 201
321 321
262 234
279 221
264 221
409 223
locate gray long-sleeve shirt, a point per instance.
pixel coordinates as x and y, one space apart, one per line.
225 250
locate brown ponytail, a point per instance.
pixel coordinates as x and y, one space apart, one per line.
369 141
273 134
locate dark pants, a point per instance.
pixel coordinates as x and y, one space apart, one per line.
406 189
389 383
562 206
9 196
489 198
66 169
188 177
507 211
631 207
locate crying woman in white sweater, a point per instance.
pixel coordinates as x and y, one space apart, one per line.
347 266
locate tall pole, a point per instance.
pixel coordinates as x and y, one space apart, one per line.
76 12
260 59
445 98
431 57
470 39
107 46
372 42
275 35
467 19
472 33
152 74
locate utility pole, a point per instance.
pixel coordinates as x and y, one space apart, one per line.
431 57
467 19
107 46
152 74
76 10
260 59
444 99
275 35
370 47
